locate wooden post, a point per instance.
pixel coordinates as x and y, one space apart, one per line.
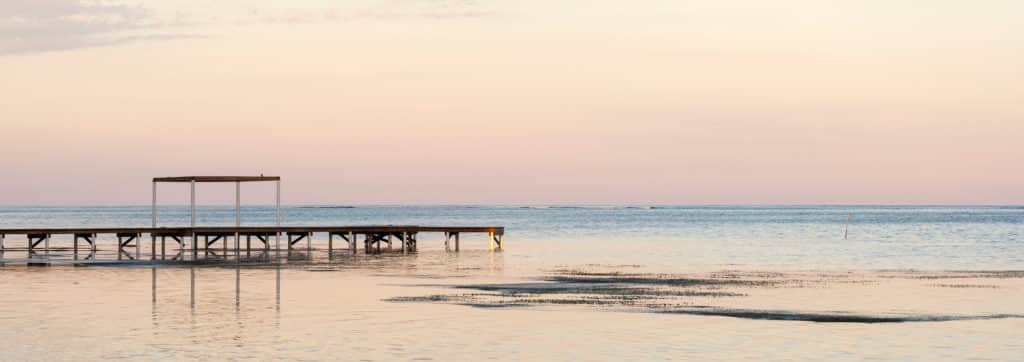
277 233
490 241
352 241
192 223
238 219
456 242
446 238
138 246
330 243
154 204
405 245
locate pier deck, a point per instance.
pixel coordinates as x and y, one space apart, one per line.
204 237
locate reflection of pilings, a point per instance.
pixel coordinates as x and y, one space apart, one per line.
278 286
192 289
154 285
238 268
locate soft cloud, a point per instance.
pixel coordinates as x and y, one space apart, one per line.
383 10
32 26
28 26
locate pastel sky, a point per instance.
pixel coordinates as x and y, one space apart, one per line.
515 101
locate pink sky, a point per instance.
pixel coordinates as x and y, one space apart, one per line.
525 102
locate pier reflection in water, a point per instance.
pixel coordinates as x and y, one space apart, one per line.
238 285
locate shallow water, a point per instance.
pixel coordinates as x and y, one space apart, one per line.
602 283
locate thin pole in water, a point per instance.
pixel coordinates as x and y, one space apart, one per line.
849 216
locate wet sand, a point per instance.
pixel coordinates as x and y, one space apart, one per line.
476 305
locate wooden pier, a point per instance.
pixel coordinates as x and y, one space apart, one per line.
374 239
203 238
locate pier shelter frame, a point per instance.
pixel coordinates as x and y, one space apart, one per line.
238 180
373 235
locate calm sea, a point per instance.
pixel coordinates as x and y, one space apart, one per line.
575 283
931 237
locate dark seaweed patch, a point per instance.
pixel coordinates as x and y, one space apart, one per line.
830 318
995 274
965 286
584 288
436 298
674 293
